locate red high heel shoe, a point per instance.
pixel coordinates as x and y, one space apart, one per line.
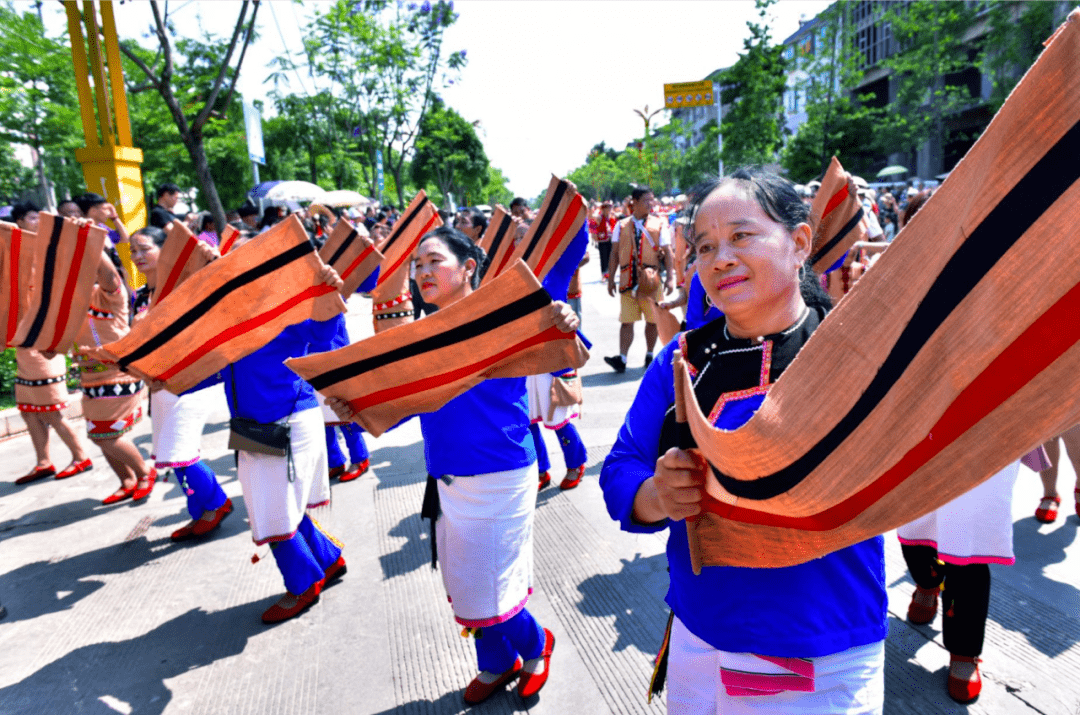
75 468
38 473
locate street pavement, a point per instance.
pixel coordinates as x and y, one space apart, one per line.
106 615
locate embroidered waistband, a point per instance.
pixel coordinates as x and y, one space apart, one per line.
40 383
118 390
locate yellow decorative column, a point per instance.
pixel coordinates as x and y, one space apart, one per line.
111 165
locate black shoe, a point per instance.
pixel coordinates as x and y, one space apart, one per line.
617 364
648 361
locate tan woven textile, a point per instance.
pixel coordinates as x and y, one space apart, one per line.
41 384
836 217
178 260
503 329
66 258
228 239
956 354
16 276
499 234
392 297
240 303
350 251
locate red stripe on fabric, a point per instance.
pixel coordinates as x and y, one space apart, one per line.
1043 342
359 259
407 254
13 307
241 328
362 403
571 215
226 246
63 315
838 198
178 268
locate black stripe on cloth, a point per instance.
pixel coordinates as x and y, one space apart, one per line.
202 307
496 241
1054 173
46 283
475 328
847 228
402 224
343 247
548 217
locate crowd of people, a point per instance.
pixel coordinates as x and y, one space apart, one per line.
732 255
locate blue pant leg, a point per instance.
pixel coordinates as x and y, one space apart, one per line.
544 464
325 550
334 457
201 486
573 448
494 652
522 632
297 564
354 440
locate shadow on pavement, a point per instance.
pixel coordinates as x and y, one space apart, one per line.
50 517
635 597
401 466
453 703
414 553
106 677
600 379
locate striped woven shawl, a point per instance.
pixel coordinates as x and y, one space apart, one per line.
956 354
391 294
66 259
503 329
179 259
498 236
16 276
228 239
350 252
560 217
239 304
836 217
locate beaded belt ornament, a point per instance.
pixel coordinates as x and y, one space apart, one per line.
39 383
119 390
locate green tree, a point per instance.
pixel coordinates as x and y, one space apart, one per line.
752 91
495 190
194 95
382 63
15 179
38 104
925 71
1017 31
449 155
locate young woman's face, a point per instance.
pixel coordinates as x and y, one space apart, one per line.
442 278
144 253
748 263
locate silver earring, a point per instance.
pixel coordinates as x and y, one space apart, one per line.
802 272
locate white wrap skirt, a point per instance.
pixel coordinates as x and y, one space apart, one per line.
278 490
974 528
485 537
178 422
540 408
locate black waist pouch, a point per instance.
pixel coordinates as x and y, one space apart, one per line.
261 438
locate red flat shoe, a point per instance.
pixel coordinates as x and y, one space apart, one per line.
75 468
291 606
356 472
573 478
919 613
141 494
38 473
479 691
203 527
530 684
964 691
1047 513
184 533
545 479
335 572
335 472
119 495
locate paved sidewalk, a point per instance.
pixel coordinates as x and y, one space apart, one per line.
106 615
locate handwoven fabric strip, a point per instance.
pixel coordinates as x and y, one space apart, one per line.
240 303
960 377
836 217
557 222
179 259
351 253
228 239
66 259
420 217
499 234
16 276
503 329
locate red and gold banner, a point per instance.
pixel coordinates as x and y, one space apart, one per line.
67 254
955 355
240 303
503 329
350 251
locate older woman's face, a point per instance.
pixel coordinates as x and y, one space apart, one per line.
748 263
144 252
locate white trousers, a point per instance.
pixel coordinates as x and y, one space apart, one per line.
851 682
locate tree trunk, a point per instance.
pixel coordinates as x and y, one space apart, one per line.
396 168
197 153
